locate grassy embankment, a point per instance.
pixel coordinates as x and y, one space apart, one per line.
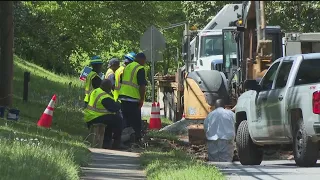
28 152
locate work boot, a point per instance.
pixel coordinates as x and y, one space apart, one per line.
117 145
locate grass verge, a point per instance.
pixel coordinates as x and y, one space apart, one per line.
164 121
28 152
161 162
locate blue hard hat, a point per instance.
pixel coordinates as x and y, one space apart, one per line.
96 60
130 56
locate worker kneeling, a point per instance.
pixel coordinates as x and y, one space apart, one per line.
103 109
220 133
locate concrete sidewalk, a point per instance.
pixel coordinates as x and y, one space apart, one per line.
115 165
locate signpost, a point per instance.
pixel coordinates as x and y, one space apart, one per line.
152 43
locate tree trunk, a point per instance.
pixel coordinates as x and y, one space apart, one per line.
6 53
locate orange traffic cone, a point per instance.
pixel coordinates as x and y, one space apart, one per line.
158 116
46 118
155 121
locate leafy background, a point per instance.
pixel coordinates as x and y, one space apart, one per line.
61 36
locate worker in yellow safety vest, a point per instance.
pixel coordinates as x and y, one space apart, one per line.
93 79
102 108
132 93
114 64
128 58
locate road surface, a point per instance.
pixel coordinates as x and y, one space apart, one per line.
269 170
113 165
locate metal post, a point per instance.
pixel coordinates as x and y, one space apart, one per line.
6 52
152 64
263 20
188 46
258 20
26 81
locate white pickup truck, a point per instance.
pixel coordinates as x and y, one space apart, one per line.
283 109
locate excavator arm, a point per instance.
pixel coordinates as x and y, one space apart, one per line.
258 47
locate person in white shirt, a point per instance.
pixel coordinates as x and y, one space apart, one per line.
220 133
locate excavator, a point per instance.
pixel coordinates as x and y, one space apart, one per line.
249 47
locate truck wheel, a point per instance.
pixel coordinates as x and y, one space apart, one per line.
248 152
305 151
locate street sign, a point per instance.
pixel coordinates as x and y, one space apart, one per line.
85 72
151 43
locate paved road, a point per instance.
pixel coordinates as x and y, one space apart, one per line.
113 165
269 170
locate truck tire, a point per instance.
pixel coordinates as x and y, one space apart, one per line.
305 151
248 152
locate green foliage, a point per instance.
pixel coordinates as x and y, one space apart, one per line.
63 35
301 16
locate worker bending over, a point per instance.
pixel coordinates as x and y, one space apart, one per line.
132 93
220 133
93 79
128 58
114 64
103 109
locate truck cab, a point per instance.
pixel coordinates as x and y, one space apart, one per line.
209 49
207 46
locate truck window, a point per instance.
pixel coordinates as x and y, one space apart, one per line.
266 82
211 45
283 74
308 72
229 49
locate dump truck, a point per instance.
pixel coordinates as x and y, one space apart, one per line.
191 90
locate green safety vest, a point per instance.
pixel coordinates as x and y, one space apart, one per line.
129 85
108 73
88 85
117 84
95 108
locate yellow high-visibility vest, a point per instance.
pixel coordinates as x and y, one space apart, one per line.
108 73
88 85
117 84
95 108
129 85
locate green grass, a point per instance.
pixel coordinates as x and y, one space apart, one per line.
162 135
174 164
57 153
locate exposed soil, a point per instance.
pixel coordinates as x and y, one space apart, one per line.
198 151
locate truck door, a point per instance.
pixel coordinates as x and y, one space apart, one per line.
261 119
276 104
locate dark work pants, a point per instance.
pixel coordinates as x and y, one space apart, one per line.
132 114
113 125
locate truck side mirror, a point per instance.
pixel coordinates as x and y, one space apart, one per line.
252 85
